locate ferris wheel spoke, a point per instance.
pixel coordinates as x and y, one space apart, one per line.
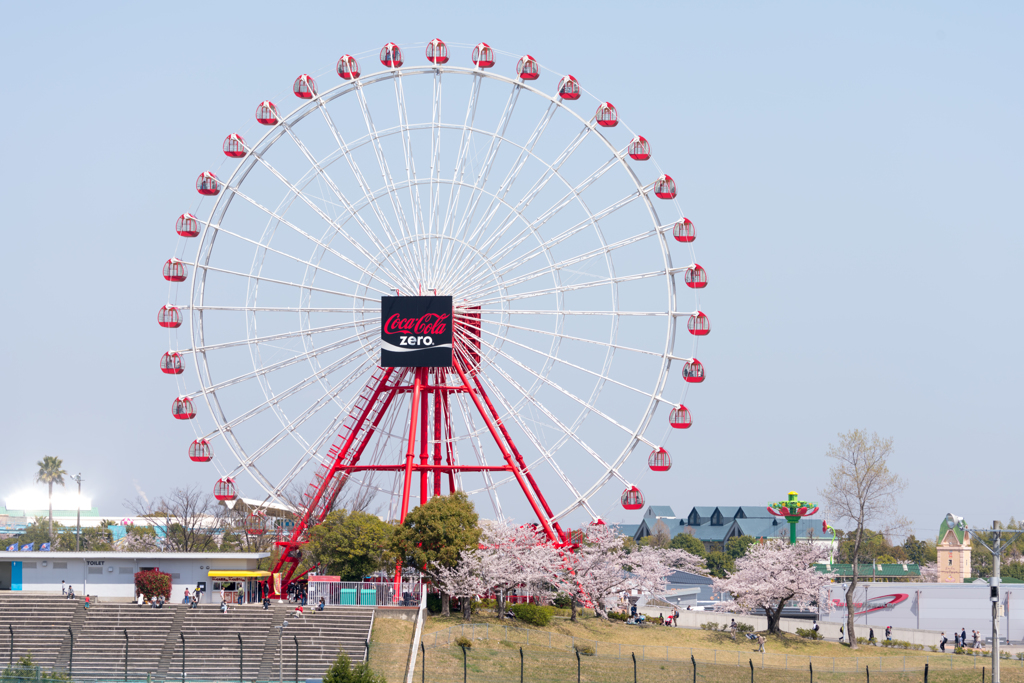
547 413
303 233
435 160
385 171
346 151
292 427
619 347
285 309
533 226
569 288
475 442
368 335
287 335
250 276
410 171
545 453
308 264
455 190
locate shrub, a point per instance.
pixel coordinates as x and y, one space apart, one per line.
618 616
28 670
434 603
934 648
563 601
587 650
810 633
709 626
461 641
153 582
532 614
342 671
747 628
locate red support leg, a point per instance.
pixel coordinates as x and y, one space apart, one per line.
424 443
439 396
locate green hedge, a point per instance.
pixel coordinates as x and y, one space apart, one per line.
532 614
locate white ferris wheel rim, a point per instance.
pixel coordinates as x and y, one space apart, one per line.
232 189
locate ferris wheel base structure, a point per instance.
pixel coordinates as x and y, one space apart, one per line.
429 412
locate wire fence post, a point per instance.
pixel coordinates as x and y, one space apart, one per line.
296 638
465 665
694 662
811 664
633 655
423 660
241 658
521 665
577 666
751 670
867 671
71 657
926 672
982 674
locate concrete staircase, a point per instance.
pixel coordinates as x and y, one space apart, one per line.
320 635
100 645
213 650
40 626
64 660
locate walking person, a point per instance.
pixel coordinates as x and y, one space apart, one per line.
871 635
963 636
842 632
888 632
974 634
942 641
675 618
63 588
732 629
760 643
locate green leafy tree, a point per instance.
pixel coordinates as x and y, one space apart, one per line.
719 563
689 543
737 546
351 545
38 532
51 471
919 552
436 533
342 671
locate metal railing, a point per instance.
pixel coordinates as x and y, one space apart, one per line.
364 593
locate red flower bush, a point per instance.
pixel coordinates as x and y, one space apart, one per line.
153 582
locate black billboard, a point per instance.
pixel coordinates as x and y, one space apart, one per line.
416 331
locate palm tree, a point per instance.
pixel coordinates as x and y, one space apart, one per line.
50 473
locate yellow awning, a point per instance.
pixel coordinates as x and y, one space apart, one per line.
238 574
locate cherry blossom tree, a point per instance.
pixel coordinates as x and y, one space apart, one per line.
464 580
515 556
772 574
600 568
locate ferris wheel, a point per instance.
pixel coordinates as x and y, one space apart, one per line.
538 225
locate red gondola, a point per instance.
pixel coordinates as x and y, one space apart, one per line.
266 113
693 371
168 316
680 418
607 115
683 231
170 364
632 499
234 146
200 451
348 67
391 56
187 225
695 277
569 88
182 408
207 184
639 149
483 56
659 460
255 524
698 325
175 271
304 87
528 68
665 187
224 489
437 52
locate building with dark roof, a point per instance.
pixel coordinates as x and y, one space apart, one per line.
716 525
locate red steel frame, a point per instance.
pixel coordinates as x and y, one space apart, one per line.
360 425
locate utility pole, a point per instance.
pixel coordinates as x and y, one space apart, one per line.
78 516
997 548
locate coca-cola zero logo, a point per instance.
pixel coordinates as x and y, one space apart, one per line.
416 331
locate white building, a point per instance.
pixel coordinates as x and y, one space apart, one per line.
111 575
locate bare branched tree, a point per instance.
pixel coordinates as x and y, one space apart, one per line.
862 490
190 517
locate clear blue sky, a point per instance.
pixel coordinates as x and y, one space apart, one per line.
854 170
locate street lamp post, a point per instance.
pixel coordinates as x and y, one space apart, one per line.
78 505
997 548
280 651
